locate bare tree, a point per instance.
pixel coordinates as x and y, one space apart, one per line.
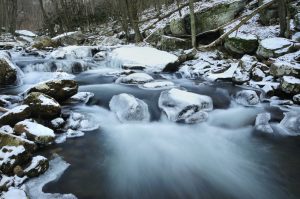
193 23
284 18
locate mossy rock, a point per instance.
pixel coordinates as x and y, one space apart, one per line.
12 140
8 72
241 43
43 43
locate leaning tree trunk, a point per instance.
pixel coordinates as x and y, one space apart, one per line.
193 23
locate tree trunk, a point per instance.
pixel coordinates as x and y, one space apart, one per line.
133 17
193 23
282 11
13 12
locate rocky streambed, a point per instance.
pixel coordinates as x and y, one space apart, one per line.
85 122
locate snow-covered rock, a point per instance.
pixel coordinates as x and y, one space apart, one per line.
135 78
290 85
274 47
38 166
296 36
12 156
57 123
26 33
169 43
243 71
128 108
35 132
144 56
42 106
80 122
74 133
262 123
8 71
70 38
73 52
14 193
282 68
7 129
241 43
7 139
163 84
258 74
183 106
15 115
247 98
60 90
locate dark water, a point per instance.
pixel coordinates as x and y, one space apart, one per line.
221 158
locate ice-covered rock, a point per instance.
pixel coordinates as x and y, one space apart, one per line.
144 56
135 78
35 132
296 99
241 43
60 90
38 166
163 84
296 36
183 106
247 98
262 123
14 193
7 139
82 97
128 108
12 156
243 71
42 106
74 133
15 115
81 122
100 56
8 71
290 85
9 100
274 47
73 52
282 68
291 123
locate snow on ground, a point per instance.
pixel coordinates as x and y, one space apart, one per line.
160 84
64 35
154 60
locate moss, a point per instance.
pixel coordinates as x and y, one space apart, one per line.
241 46
45 42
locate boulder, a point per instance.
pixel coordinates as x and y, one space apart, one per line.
100 56
274 47
35 132
37 166
60 90
70 38
8 71
12 156
169 43
57 123
241 43
213 17
15 115
26 33
81 97
282 68
257 74
128 108
7 139
74 52
297 21
44 43
247 98
296 36
177 27
296 99
135 78
243 71
155 37
42 106
262 123
290 85
183 106
268 16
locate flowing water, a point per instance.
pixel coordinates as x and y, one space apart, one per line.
221 158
